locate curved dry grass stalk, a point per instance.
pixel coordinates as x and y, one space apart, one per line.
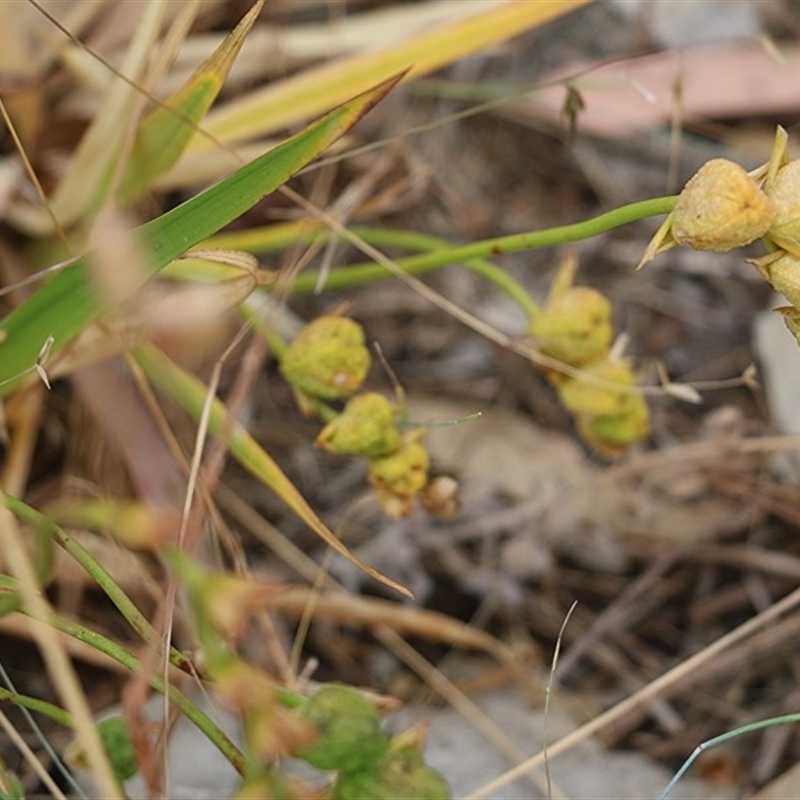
657 688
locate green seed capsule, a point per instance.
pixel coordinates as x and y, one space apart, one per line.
584 396
328 359
349 727
400 773
366 427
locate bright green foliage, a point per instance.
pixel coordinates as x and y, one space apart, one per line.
352 743
164 133
69 302
117 743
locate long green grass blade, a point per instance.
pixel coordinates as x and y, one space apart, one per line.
164 133
69 302
191 394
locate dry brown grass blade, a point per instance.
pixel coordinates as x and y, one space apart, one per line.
371 612
317 90
109 127
36 764
386 634
652 690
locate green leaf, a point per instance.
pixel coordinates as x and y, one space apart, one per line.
164 133
69 302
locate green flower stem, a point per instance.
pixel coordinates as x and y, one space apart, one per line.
95 570
190 710
480 266
119 654
440 254
359 274
50 710
280 236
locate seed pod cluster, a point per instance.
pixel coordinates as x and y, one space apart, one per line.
723 207
397 460
369 764
574 327
781 267
328 361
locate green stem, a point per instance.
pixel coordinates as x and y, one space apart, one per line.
102 644
431 244
50 710
724 737
368 272
96 571
274 238
440 254
190 710
126 607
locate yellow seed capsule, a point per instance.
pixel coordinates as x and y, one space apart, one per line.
574 327
588 397
400 476
791 316
784 192
328 359
612 434
721 208
366 427
609 420
784 275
